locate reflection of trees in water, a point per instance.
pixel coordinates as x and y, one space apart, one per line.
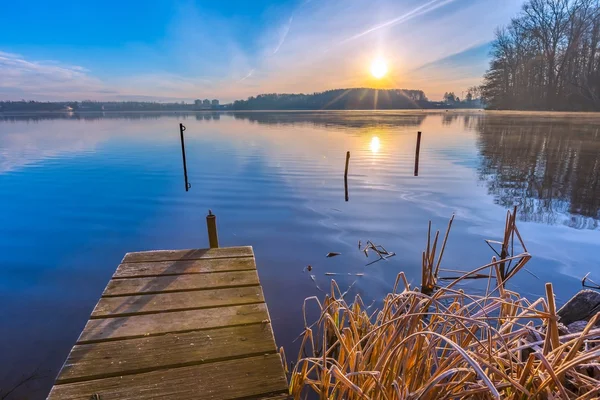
206 116
450 118
344 119
333 119
549 166
94 116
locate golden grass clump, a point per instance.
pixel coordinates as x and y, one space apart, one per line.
446 344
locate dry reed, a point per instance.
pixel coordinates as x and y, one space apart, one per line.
442 343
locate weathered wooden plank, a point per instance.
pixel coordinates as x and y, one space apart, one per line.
189 254
124 357
158 284
176 301
178 321
248 377
154 268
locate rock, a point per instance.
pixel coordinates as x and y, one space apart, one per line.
562 329
577 326
583 306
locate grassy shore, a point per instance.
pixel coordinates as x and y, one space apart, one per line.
439 342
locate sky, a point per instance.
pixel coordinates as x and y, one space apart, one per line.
170 50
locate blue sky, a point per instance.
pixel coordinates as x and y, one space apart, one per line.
181 50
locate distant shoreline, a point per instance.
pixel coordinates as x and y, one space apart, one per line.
412 110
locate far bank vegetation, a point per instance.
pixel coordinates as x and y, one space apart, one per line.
547 58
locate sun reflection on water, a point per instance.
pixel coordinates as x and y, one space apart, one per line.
375 144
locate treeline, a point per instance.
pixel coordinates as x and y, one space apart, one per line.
339 99
356 120
471 100
39 106
547 58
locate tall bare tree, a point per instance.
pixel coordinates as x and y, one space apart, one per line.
548 57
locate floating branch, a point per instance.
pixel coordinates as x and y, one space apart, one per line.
341 273
587 282
378 249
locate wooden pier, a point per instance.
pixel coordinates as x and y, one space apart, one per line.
184 324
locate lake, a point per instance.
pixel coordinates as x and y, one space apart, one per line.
79 191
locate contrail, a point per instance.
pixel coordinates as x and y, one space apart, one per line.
422 9
247 76
286 30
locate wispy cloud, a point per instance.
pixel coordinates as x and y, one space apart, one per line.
21 76
284 33
247 75
472 54
420 10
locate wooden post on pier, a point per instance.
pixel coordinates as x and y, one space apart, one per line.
211 225
346 175
417 151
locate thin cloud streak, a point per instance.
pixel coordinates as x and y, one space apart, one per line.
286 30
247 76
20 77
421 10
455 56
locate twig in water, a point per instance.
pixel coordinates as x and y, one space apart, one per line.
314 279
380 250
349 274
23 382
585 280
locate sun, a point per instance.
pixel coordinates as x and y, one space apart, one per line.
379 68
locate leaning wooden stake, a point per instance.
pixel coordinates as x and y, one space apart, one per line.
417 151
187 184
346 175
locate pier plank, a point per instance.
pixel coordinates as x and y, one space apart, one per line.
180 321
125 357
155 268
190 254
242 378
176 301
157 284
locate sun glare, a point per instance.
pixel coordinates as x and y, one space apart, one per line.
375 144
379 68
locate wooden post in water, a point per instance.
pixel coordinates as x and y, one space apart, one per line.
417 153
346 175
187 184
211 225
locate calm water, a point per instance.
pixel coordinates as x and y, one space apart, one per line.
78 192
